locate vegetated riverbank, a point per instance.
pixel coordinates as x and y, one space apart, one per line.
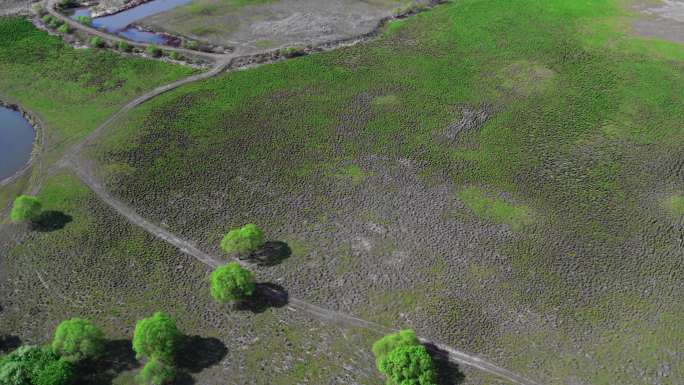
70 90
37 127
477 172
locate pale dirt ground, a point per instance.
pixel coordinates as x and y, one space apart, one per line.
278 24
664 20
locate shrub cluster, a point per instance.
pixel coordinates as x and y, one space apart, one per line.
154 51
404 360
75 341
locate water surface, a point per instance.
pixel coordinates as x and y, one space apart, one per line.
120 23
16 142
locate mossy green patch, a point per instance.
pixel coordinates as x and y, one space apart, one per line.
495 209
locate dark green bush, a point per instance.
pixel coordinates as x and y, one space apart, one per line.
153 51
64 28
97 42
124 47
175 55
32 365
85 20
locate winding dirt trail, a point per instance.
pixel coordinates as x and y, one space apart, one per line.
84 169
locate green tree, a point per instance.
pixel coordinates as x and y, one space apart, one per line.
383 346
409 365
155 372
245 240
64 28
26 208
32 365
124 47
78 339
85 20
154 51
231 283
156 337
97 42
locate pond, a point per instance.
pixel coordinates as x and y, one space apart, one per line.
120 23
16 142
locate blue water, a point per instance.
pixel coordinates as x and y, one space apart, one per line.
120 23
16 142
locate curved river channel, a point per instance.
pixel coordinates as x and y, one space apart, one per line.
16 142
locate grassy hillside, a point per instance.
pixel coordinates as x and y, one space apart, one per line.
502 176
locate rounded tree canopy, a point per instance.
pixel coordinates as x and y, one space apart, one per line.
231 282
156 372
26 208
78 339
244 240
383 346
156 337
409 365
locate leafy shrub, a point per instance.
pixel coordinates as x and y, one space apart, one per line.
154 51
26 208
190 44
243 241
96 42
409 365
67 4
156 337
383 346
78 339
155 372
231 283
64 28
124 47
290 52
403 360
32 365
85 20
46 19
175 55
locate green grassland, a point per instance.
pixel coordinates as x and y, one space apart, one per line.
71 90
555 264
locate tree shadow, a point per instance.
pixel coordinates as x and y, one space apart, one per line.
51 221
9 343
118 357
197 353
266 295
271 254
448 373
